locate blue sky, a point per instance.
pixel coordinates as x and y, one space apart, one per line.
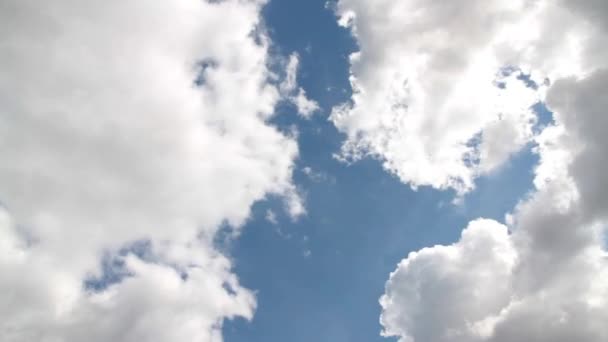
361 221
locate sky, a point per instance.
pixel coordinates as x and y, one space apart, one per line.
288 170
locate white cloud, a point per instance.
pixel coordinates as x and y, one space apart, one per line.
438 95
271 217
294 203
306 107
123 121
547 279
315 176
436 291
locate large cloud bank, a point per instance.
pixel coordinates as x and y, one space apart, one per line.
424 88
443 90
130 131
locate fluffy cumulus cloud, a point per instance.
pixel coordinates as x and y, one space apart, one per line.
442 92
461 275
130 131
543 275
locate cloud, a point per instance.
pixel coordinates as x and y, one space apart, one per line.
437 290
442 92
544 277
306 107
127 121
271 217
316 176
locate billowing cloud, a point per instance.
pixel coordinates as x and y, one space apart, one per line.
125 124
442 91
544 275
437 290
